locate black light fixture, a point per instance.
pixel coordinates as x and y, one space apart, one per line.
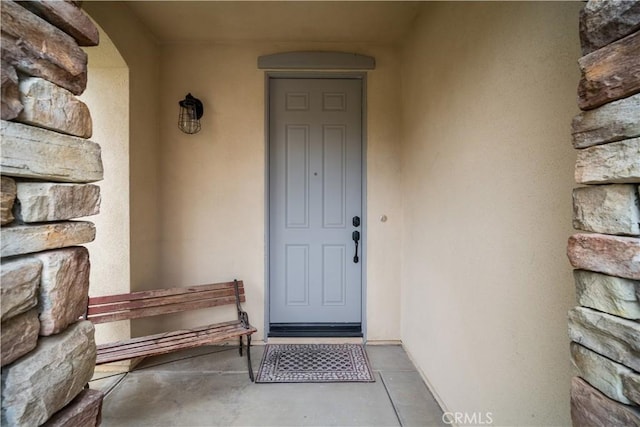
190 113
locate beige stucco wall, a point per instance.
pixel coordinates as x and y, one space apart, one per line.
488 93
213 183
139 50
107 96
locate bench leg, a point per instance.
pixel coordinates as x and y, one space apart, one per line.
249 357
240 345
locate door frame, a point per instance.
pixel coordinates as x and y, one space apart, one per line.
362 76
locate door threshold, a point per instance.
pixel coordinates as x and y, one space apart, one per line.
320 330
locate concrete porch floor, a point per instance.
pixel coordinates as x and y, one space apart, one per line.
209 386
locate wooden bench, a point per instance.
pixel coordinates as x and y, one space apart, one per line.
136 305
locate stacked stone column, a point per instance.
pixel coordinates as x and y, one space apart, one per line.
47 165
605 328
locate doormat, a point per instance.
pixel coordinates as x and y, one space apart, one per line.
314 363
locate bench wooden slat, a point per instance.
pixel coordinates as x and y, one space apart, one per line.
162 292
170 346
150 346
152 350
160 301
167 335
154 311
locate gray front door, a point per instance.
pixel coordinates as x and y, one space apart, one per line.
315 185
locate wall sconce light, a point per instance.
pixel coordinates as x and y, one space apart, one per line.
190 113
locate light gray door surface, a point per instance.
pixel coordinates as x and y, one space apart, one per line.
315 174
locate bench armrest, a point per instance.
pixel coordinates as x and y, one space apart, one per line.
243 317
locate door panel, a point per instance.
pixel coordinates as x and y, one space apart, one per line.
315 169
334 151
297 176
297 275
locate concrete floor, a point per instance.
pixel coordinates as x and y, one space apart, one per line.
209 386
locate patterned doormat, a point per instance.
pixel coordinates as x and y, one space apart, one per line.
314 363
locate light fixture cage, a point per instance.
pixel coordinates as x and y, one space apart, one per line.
191 111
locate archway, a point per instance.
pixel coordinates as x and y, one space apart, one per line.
107 96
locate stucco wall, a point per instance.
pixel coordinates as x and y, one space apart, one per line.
488 93
141 54
110 266
213 183
107 96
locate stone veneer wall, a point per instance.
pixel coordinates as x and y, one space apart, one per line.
46 165
605 328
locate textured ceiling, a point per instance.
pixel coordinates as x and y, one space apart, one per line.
279 21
